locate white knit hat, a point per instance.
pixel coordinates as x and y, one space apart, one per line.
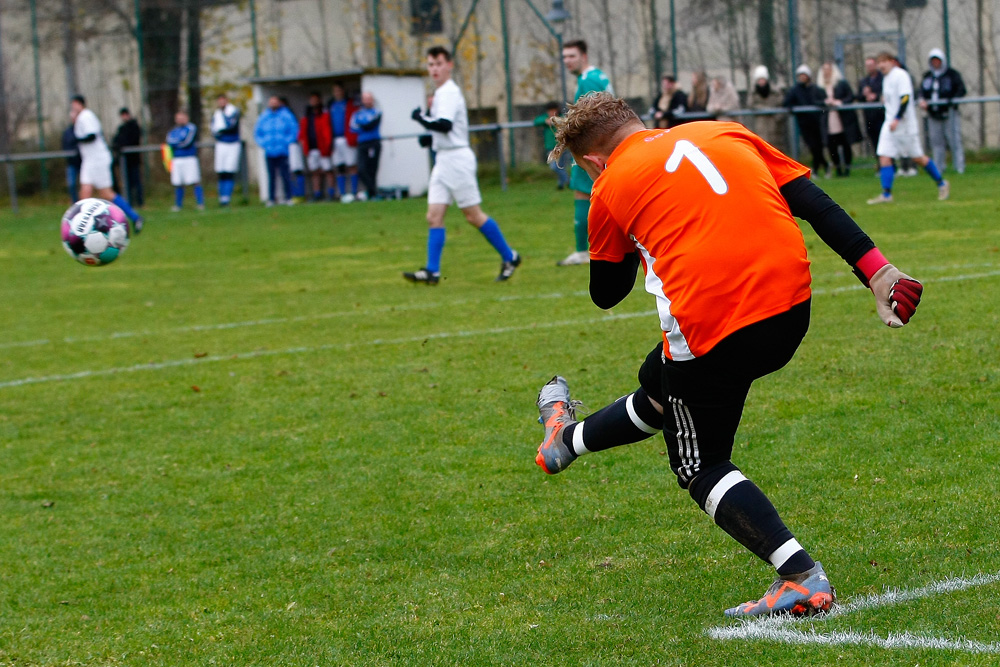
760 72
804 69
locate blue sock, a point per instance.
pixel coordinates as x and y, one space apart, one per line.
227 188
492 232
179 196
435 245
934 172
354 183
342 185
887 174
331 193
120 202
317 194
199 195
300 185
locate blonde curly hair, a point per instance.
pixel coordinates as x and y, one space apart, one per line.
591 125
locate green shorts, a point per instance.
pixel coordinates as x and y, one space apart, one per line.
580 181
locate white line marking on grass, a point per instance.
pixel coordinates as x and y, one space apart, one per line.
284 320
779 628
388 309
175 363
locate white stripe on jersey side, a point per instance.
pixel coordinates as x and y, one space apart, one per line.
636 419
679 350
687 440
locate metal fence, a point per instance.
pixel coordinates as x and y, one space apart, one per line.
497 130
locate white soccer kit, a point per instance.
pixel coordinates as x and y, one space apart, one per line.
453 178
905 140
95 158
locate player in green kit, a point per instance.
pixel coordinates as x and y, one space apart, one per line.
588 80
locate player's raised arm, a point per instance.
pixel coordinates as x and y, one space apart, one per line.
896 294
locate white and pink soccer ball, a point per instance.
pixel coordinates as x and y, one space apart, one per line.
95 232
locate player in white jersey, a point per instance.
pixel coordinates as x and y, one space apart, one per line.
453 178
95 166
900 136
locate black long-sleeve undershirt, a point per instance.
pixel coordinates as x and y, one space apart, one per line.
903 103
611 282
87 139
442 125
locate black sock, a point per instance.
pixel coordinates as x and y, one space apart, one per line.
745 514
630 419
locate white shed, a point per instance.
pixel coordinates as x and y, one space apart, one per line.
404 163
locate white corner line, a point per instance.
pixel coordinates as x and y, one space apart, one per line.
782 629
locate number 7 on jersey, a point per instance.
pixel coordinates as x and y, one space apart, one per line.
685 149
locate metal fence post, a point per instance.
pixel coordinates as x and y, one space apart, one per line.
497 135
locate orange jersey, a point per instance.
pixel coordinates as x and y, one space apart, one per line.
718 244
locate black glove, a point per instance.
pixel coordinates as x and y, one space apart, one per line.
425 140
417 114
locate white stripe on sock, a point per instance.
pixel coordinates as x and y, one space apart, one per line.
636 419
784 552
719 491
578 447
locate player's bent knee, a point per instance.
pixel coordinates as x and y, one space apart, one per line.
709 486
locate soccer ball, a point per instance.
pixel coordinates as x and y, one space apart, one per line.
94 232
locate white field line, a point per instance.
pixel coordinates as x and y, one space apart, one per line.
782 628
388 309
330 346
346 346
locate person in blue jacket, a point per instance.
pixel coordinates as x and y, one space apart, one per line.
275 130
184 167
366 122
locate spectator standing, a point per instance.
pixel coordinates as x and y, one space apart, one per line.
545 121
130 134
588 80
453 178
296 160
722 98
184 167
771 128
900 136
672 100
811 126
345 142
72 163
317 144
366 123
276 129
95 160
698 99
939 88
842 128
870 91
228 148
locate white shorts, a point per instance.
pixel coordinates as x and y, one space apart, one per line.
317 161
185 171
898 144
295 161
343 154
453 179
227 157
97 174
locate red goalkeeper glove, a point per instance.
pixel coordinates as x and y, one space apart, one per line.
897 295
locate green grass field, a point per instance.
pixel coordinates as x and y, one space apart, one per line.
250 442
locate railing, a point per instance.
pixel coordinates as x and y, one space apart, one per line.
496 128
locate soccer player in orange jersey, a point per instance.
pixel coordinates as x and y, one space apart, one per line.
707 210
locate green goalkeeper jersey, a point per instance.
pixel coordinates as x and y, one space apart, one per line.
592 80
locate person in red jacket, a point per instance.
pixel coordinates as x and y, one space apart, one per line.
317 144
345 142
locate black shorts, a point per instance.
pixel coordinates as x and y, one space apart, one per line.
703 398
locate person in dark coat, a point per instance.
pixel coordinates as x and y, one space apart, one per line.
870 91
130 134
842 125
811 125
72 163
